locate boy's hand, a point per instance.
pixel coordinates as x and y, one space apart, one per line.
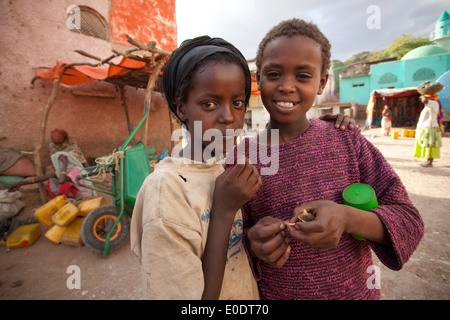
267 240
342 121
325 230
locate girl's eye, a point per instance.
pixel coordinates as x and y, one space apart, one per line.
208 104
239 104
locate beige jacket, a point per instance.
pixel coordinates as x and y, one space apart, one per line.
169 227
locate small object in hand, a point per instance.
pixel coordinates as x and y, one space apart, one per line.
290 224
305 216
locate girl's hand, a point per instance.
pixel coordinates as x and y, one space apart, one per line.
267 241
325 230
235 186
342 121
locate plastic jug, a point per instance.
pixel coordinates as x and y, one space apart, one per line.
72 233
45 213
55 233
87 206
65 215
24 236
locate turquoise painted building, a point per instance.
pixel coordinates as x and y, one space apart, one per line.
421 64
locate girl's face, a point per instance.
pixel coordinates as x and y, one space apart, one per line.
290 78
217 100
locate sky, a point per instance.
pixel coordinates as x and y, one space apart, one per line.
351 26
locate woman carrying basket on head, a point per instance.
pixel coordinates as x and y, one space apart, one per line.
429 127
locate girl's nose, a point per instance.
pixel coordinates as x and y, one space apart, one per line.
287 85
226 114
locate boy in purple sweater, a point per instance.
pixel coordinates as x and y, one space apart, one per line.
318 259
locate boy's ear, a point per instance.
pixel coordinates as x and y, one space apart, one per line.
181 112
323 82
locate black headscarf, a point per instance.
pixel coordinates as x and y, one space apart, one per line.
185 58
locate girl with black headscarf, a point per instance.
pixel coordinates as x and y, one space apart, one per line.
184 211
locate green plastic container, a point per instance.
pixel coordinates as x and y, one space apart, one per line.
137 168
360 196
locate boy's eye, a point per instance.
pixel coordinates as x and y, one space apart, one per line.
208 104
239 104
304 76
272 74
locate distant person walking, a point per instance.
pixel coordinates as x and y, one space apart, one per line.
428 131
386 120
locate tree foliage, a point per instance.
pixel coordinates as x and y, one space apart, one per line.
397 49
402 45
358 57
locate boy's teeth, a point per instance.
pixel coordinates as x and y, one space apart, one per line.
285 104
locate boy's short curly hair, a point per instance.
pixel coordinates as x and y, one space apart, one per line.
297 27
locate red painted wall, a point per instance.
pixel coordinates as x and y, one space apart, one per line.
144 21
99 124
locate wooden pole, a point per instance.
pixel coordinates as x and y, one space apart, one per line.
37 150
150 47
124 105
148 95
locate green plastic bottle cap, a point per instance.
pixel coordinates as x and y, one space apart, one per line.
360 196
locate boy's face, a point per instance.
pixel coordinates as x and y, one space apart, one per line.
290 77
216 99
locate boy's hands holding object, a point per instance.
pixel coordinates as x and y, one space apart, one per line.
267 240
318 224
331 221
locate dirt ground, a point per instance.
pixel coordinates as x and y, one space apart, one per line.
42 271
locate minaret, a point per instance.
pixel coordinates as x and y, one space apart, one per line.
441 34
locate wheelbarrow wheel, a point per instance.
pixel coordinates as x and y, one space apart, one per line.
97 225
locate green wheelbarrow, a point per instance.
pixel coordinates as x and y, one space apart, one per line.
107 227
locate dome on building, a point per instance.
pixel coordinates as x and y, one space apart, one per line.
424 51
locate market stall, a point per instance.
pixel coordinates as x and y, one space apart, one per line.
404 103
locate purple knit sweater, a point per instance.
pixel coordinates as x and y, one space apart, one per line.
319 165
